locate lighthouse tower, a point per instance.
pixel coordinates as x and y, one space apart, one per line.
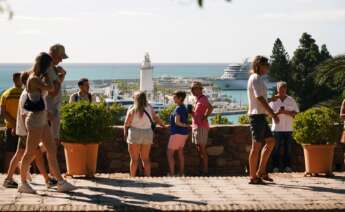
146 81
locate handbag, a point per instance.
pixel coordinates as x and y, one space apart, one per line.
34 106
153 125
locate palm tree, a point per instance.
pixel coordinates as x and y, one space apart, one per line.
330 80
331 73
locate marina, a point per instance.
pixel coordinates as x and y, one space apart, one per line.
224 84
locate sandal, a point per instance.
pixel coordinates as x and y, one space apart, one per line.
257 181
265 177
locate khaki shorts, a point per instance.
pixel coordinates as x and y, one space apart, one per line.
140 136
200 136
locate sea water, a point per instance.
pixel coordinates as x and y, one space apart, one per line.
100 71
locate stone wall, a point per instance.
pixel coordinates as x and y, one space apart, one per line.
228 149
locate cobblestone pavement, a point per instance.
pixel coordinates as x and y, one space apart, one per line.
119 192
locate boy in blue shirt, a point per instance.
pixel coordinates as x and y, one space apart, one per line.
179 129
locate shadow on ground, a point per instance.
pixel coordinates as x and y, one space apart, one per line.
118 199
128 183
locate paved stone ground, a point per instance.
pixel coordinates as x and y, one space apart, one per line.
119 192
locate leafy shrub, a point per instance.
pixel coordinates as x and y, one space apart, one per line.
82 122
317 126
118 113
243 119
218 119
165 113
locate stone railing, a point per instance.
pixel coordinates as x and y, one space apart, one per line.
228 149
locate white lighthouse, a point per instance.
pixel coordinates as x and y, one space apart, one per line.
146 81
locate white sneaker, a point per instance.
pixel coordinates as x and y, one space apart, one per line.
26 188
276 170
65 186
288 169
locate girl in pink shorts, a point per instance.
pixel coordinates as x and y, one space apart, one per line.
179 129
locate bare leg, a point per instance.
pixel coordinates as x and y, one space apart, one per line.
8 158
253 158
145 158
265 155
204 157
39 160
14 162
171 161
133 150
32 141
181 160
51 147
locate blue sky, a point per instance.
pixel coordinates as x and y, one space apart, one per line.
171 30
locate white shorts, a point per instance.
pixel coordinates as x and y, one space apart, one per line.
140 136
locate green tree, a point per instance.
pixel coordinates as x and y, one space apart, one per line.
330 79
218 119
306 58
243 119
280 68
324 53
118 113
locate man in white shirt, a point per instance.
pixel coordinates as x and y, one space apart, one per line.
286 108
262 138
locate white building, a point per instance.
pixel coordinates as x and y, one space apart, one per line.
146 75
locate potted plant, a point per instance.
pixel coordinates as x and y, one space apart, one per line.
316 130
83 127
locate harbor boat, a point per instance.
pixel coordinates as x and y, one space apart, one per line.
113 96
235 77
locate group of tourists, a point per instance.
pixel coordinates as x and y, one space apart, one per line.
140 123
31 109
140 120
33 121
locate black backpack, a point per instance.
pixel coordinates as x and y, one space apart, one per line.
76 97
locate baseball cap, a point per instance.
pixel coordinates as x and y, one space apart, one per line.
59 49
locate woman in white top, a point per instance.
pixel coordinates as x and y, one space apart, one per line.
138 132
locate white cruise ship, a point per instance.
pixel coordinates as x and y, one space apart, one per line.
235 77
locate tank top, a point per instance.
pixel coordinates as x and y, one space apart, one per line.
142 122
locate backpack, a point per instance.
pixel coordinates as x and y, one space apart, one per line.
76 97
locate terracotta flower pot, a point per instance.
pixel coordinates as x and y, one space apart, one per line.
318 158
81 159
